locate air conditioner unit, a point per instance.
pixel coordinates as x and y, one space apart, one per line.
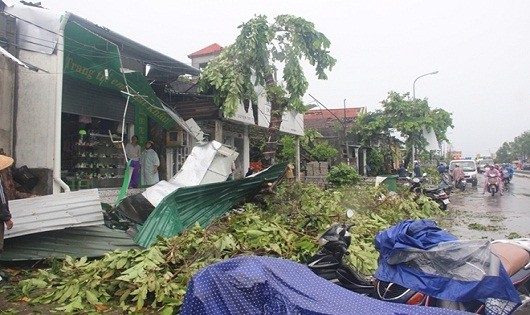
175 138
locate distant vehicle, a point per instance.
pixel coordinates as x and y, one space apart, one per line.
525 166
483 162
470 170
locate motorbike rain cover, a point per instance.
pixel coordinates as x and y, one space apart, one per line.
419 255
265 285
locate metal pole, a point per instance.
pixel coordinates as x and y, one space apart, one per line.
346 135
414 97
343 122
414 83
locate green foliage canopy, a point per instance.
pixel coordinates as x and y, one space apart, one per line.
517 149
408 117
252 61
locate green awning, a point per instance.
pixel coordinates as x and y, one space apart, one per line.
92 58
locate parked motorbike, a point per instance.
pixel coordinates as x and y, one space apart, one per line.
435 193
446 184
514 256
328 262
493 184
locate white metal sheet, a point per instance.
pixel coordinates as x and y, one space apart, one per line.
55 212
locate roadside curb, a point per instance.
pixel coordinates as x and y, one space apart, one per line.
521 175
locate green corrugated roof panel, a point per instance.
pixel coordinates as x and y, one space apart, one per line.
89 241
202 204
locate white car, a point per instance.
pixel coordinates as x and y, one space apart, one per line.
483 162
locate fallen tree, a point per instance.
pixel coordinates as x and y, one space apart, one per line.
155 279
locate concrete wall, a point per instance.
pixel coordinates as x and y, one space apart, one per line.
7 88
35 117
8 32
195 62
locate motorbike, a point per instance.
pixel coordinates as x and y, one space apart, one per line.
492 184
445 183
507 177
328 261
514 255
435 193
461 183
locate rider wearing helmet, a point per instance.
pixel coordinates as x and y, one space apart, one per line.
493 170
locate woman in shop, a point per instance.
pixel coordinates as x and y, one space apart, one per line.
133 155
150 164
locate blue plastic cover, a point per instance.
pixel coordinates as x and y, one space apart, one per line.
419 255
264 285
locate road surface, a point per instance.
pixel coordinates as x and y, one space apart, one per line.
472 215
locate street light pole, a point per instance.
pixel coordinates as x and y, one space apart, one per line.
414 84
414 97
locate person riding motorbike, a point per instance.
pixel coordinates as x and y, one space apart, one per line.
509 168
457 174
493 171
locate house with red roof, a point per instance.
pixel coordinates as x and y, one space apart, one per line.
333 125
200 58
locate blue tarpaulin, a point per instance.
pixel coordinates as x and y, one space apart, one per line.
264 285
419 255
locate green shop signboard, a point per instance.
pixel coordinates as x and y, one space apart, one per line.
92 58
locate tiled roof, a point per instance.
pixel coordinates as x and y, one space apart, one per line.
323 118
210 50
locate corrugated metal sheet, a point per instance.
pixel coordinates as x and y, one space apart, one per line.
55 212
89 241
203 204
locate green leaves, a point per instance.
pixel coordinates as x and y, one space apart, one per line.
155 279
343 174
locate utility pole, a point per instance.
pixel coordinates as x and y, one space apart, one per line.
342 122
346 135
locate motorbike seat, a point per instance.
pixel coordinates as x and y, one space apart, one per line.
513 257
431 189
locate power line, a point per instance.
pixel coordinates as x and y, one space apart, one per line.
159 64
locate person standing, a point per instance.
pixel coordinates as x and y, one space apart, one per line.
441 168
457 174
417 169
133 150
5 215
402 172
150 164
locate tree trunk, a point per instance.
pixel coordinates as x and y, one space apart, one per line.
273 132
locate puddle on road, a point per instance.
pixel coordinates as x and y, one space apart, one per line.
472 215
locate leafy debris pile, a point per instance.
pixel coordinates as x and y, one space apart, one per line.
155 279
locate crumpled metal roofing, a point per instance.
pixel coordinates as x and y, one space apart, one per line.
55 212
203 204
89 241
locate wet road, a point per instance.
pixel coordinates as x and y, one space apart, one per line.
472 215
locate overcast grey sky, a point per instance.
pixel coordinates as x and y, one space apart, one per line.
480 48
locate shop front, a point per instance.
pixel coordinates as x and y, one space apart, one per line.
106 99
